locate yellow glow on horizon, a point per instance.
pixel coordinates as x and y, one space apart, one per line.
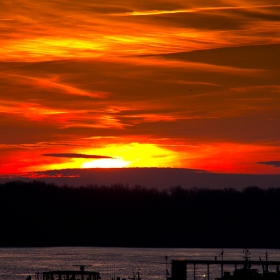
123 155
214 157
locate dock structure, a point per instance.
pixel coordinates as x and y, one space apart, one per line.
180 268
71 275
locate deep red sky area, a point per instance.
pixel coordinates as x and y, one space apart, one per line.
158 83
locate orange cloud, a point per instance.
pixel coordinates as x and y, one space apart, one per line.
197 9
67 89
141 81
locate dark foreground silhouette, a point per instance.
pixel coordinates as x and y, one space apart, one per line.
40 214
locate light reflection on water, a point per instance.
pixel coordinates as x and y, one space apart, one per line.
18 263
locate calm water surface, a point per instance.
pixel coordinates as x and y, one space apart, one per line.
18 263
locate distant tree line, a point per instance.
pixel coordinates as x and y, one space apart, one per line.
40 214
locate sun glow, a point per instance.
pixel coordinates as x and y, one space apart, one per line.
130 155
105 163
121 155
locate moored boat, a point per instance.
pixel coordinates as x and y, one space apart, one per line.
81 274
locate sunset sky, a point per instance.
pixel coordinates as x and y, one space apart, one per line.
161 83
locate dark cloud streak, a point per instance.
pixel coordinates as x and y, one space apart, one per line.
273 163
76 156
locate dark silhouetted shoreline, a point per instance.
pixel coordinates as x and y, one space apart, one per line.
40 214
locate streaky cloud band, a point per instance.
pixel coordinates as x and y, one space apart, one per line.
194 10
273 163
73 155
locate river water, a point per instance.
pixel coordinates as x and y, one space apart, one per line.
18 263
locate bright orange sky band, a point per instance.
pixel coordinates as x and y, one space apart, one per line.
158 83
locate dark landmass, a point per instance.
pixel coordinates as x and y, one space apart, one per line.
159 178
40 214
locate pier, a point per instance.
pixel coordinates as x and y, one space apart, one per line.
180 268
